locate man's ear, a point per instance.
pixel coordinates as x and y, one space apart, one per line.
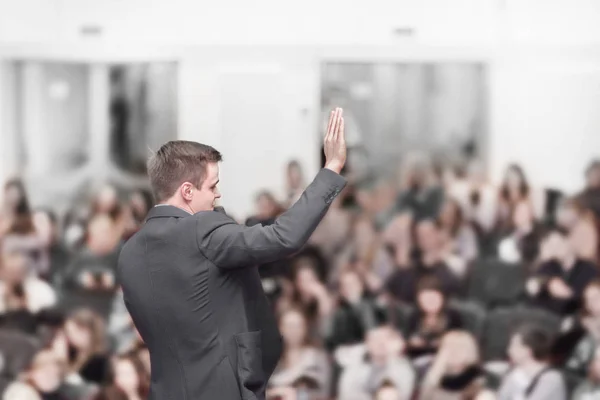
186 190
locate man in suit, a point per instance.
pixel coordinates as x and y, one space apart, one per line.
189 278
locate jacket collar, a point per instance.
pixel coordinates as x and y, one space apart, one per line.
166 211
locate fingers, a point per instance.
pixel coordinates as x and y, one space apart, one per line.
329 125
336 122
339 134
334 125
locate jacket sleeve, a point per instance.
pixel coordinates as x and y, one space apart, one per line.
230 245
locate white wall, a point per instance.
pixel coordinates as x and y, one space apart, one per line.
9 150
544 114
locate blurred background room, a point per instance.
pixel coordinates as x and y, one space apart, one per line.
461 262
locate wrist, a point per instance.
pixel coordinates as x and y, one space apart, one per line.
335 167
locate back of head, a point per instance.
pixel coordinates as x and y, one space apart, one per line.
177 162
537 340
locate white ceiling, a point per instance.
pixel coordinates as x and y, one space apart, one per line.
189 22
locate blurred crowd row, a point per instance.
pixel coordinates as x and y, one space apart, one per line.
433 284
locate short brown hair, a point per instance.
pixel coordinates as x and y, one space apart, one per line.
176 162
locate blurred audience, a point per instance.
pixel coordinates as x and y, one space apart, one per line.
393 298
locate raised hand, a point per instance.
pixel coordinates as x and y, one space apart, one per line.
335 142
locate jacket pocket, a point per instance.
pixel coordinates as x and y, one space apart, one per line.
249 364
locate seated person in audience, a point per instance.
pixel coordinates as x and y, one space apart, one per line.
46 225
307 292
89 280
590 196
427 261
41 380
354 315
559 282
582 225
421 191
460 236
381 360
590 388
87 355
477 198
301 360
21 294
514 192
22 237
14 195
128 380
140 202
431 320
532 377
456 372
520 244
583 352
398 238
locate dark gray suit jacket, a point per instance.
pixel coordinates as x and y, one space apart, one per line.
194 293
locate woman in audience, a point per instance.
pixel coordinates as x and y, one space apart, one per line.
106 203
40 381
309 294
22 236
301 361
141 202
521 244
46 225
477 198
90 279
590 196
590 389
514 192
459 237
85 332
14 196
295 183
456 372
559 283
583 228
128 380
21 295
431 320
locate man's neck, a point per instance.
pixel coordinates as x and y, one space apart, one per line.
172 204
